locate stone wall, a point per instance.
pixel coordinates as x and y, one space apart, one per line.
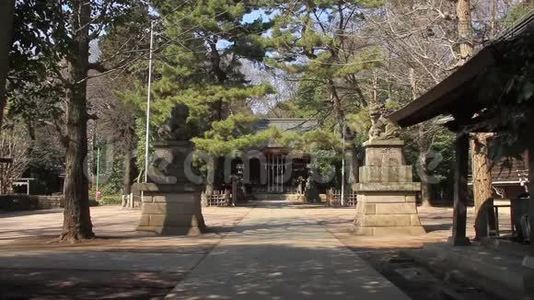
46 202
16 202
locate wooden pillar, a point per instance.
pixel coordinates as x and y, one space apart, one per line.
269 174
277 173
528 260
274 173
271 170
284 170
278 167
461 193
267 170
530 155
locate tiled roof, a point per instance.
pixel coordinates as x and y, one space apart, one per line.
509 171
287 124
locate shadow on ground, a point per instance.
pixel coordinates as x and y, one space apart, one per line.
84 284
331 273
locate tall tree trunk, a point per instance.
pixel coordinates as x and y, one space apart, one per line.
426 187
480 155
354 164
482 183
425 184
349 136
351 150
76 217
221 108
211 168
493 19
6 23
465 29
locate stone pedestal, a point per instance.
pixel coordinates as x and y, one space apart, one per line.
170 203
171 210
386 192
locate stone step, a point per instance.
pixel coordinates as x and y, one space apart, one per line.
275 196
295 198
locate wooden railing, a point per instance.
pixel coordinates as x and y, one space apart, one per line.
217 198
333 198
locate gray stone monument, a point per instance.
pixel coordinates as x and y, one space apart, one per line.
386 191
171 203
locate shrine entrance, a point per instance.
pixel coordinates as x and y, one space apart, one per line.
278 172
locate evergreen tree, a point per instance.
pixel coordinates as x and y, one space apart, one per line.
58 33
203 44
316 40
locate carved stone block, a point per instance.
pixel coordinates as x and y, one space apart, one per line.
386 192
171 203
170 212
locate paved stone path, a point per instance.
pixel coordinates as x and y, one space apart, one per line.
274 251
282 253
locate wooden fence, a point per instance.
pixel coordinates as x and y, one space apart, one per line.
217 198
333 198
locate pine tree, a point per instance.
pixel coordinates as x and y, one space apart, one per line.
315 40
203 44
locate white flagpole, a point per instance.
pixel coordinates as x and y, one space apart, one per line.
147 133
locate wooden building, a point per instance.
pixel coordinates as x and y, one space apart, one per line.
509 177
276 169
489 93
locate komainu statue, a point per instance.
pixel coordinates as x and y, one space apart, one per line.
176 128
167 163
382 128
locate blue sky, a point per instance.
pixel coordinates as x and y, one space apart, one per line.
248 18
254 15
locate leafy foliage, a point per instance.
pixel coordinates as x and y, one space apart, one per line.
511 85
202 45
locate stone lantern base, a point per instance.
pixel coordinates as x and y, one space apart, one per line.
386 193
171 209
384 209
